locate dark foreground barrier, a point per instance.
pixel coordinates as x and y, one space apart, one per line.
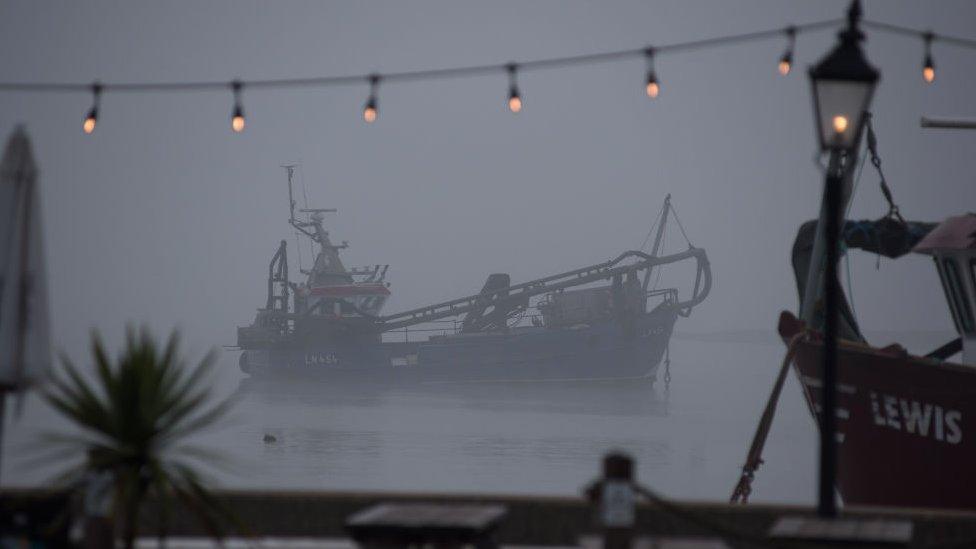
530 520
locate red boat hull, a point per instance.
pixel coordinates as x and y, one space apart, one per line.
905 423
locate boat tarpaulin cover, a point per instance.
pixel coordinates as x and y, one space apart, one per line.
955 233
887 236
24 331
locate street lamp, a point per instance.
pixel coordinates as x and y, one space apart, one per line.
843 85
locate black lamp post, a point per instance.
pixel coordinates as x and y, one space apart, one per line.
843 84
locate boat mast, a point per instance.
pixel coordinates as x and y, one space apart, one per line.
291 200
660 228
319 234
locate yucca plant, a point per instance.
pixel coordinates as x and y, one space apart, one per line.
134 418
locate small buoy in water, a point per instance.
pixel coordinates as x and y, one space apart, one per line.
268 439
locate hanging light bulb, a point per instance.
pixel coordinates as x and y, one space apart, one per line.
652 88
237 116
370 111
786 62
928 67
514 98
88 126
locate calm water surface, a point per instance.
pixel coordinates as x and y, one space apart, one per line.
542 438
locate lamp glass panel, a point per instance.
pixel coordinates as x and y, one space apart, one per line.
840 108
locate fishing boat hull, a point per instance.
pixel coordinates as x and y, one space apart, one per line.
904 423
606 350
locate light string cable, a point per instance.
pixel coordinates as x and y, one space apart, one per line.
927 37
423 74
512 69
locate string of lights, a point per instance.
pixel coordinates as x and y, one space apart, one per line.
512 69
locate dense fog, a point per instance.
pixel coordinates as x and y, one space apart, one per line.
165 217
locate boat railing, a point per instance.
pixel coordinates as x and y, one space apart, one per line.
421 332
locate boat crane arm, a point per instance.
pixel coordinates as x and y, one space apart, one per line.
576 277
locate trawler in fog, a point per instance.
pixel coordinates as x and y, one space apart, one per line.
601 321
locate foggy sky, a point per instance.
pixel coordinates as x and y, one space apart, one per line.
164 216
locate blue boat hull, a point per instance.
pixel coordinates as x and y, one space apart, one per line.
611 349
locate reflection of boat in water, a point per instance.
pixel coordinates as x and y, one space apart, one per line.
596 322
608 398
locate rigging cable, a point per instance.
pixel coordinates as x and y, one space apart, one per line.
680 226
650 231
847 256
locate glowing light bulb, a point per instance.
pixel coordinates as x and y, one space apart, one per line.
928 67
840 124
515 103
785 66
514 97
237 116
653 89
90 121
928 70
786 62
237 120
370 110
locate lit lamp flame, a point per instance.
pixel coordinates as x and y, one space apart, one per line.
840 124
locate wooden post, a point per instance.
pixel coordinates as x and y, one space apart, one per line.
617 501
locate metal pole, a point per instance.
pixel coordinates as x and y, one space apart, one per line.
833 202
948 123
3 417
813 290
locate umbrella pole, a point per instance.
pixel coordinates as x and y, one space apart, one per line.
3 419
